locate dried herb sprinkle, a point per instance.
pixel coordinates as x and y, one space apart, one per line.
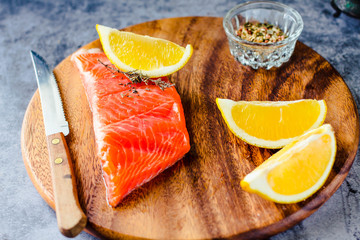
136 77
260 32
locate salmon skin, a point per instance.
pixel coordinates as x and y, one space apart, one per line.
139 129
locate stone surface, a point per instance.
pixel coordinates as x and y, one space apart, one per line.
58 28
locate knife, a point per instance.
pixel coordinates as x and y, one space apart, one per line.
70 217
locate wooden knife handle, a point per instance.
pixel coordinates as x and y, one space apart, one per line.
70 217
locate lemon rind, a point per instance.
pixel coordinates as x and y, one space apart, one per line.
104 33
256 181
225 106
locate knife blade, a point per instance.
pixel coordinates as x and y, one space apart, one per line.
70 217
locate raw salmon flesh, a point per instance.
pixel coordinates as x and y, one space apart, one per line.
139 129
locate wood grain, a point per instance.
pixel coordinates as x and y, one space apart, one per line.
199 197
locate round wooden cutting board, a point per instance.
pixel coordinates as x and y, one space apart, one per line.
199 197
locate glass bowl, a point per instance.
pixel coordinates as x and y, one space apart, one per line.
265 55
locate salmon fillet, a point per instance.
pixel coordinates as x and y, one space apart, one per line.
139 129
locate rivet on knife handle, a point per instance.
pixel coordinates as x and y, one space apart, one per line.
70 217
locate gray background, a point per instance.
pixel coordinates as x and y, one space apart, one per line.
58 28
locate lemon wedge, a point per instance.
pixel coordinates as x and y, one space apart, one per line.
153 57
297 171
272 124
